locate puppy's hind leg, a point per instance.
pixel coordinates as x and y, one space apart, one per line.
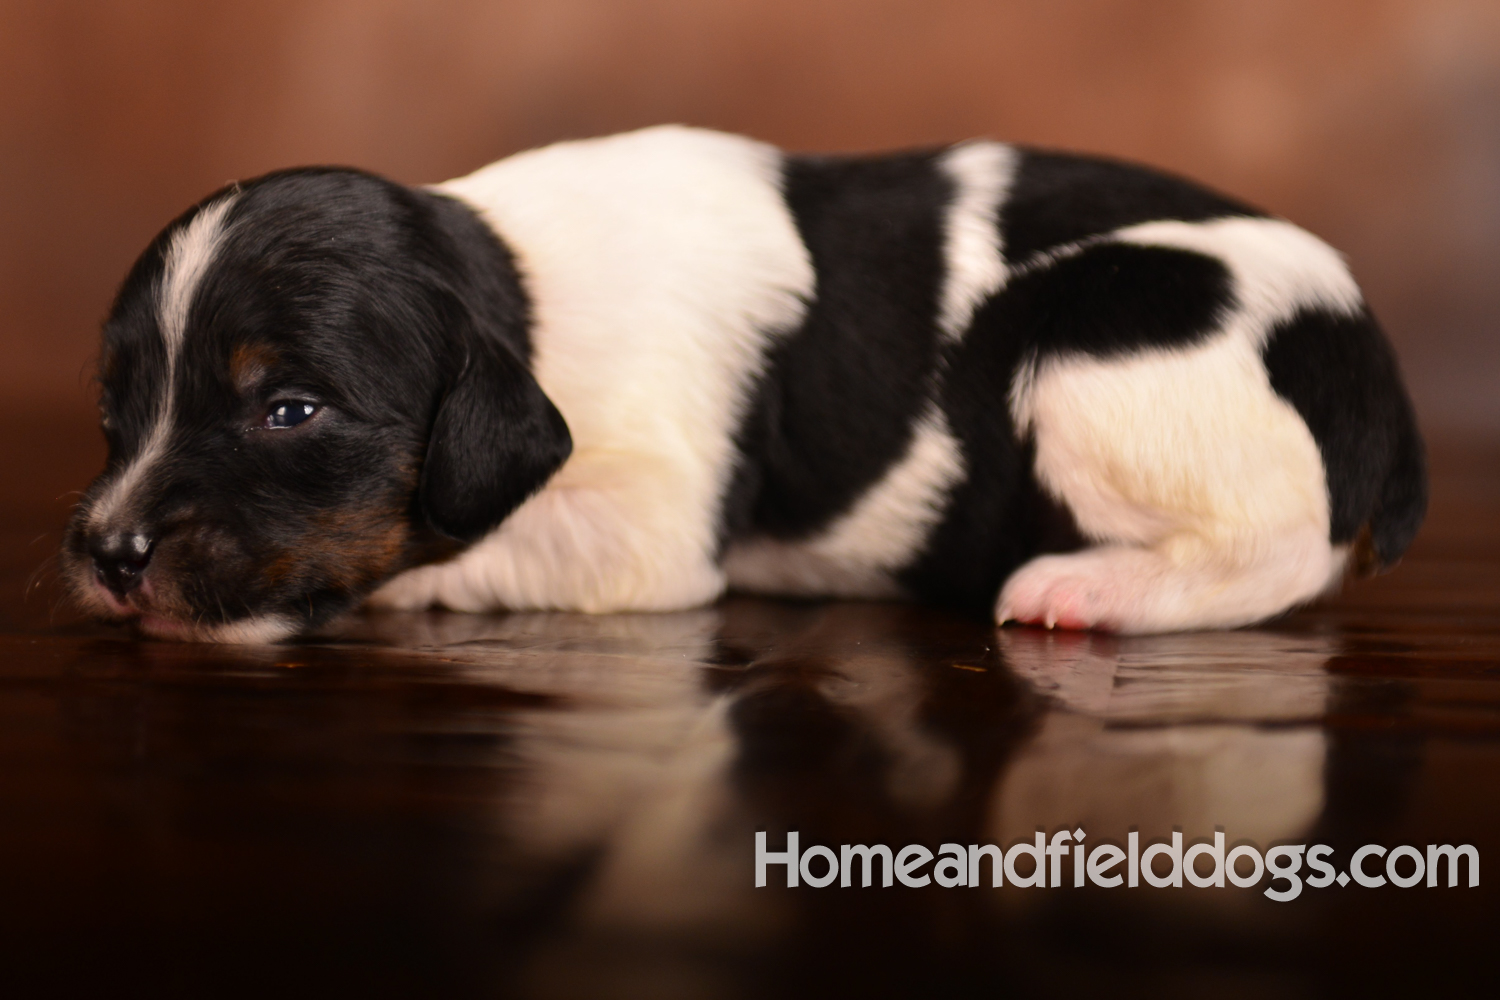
1203 490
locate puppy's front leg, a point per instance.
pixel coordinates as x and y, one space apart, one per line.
610 532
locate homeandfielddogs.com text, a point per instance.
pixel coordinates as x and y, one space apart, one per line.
1066 860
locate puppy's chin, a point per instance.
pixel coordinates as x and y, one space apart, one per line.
150 621
252 631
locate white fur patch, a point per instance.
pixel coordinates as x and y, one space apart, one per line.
660 264
187 259
857 554
981 173
257 631
1173 439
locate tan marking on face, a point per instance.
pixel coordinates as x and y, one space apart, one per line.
248 364
347 549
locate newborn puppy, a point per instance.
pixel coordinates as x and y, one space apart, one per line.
624 373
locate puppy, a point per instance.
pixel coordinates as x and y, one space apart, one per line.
626 373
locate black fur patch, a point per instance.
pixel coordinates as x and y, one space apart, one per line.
1341 375
1059 198
1111 299
835 406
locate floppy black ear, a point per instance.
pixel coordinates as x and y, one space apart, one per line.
497 439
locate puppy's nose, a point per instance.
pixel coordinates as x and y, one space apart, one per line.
120 559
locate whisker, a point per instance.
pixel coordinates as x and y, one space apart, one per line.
58 603
35 579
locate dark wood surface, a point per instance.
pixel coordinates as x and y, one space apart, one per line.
559 806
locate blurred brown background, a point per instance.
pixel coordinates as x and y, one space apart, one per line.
1375 124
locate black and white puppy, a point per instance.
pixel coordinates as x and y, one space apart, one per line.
627 373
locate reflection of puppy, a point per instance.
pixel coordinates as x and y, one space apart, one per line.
1190 732
621 373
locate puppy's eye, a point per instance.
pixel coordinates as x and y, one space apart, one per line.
288 413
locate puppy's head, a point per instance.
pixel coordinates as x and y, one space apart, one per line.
307 381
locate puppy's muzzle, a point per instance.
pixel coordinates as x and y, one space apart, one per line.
120 558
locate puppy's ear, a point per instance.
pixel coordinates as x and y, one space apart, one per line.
496 440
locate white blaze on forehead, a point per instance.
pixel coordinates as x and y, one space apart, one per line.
187 258
981 173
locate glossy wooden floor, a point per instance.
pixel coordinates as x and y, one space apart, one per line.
564 806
